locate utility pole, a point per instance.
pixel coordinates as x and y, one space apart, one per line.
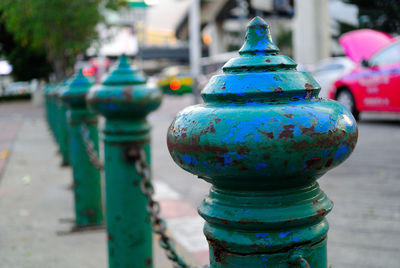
311 31
194 46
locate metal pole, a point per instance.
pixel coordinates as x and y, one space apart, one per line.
87 188
125 100
262 139
62 125
195 46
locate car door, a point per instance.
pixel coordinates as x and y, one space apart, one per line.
383 85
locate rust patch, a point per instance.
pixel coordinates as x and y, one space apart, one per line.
329 162
300 145
148 262
279 89
309 86
243 150
268 134
289 115
110 237
292 220
217 120
287 132
309 93
308 130
321 212
219 251
313 161
267 60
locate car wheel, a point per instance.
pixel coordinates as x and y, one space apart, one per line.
346 98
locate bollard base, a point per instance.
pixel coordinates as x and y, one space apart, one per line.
81 229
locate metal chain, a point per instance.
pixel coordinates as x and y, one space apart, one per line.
89 146
158 224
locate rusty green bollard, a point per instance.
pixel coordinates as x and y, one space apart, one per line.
124 100
62 124
52 95
49 106
47 103
262 139
87 187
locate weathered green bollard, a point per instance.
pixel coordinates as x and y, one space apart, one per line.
48 105
52 96
125 100
46 98
87 187
262 139
62 125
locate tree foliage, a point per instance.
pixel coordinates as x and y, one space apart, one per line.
63 28
28 63
382 15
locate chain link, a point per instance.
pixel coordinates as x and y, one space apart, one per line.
158 224
153 208
89 146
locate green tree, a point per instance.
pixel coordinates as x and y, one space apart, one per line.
63 28
382 15
28 63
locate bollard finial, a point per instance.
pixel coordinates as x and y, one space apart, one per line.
75 90
123 62
258 39
124 74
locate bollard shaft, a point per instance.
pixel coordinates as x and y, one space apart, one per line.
128 223
125 100
62 125
87 187
86 178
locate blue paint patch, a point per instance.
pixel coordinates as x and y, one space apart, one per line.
296 239
341 152
112 106
264 259
189 159
259 166
326 152
262 235
245 210
284 234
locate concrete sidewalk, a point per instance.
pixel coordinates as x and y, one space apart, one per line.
35 196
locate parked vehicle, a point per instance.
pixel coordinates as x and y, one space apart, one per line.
176 80
327 71
18 88
374 83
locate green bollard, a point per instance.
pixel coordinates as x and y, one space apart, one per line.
87 187
46 98
52 96
62 125
262 139
124 100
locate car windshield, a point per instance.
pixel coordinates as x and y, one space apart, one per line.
387 56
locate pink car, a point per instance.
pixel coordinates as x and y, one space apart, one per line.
374 84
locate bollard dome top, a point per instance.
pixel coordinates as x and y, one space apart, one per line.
124 94
74 94
262 123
